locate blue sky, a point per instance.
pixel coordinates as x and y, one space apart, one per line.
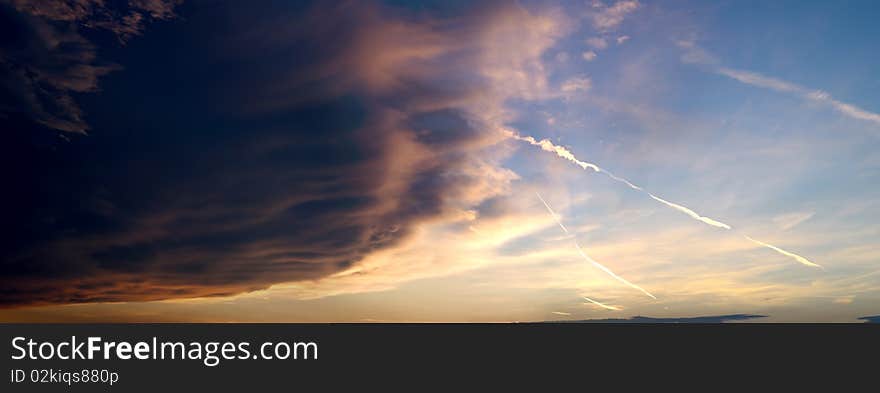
762 116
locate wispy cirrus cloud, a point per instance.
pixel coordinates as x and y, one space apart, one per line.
576 84
605 19
791 220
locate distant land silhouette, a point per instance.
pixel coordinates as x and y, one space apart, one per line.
702 319
871 319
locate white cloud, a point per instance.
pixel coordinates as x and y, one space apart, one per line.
608 18
577 84
597 42
622 39
589 55
693 54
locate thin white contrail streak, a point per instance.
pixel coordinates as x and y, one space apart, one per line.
689 212
755 79
675 206
552 213
696 55
561 313
607 270
560 151
587 257
605 306
798 258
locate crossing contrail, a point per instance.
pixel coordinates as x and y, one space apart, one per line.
605 306
561 151
587 257
552 213
607 270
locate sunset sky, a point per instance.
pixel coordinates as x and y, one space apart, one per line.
360 161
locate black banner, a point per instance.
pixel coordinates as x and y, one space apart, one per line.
244 357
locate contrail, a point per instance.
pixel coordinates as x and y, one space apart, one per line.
560 151
755 79
587 257
689 212
552 213
693 54
549 146
605 306
675 206
607 270
796 257
561 313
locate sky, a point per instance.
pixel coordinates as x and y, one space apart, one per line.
366 161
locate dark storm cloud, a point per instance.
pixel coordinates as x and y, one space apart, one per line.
276 144
45 59
123 18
